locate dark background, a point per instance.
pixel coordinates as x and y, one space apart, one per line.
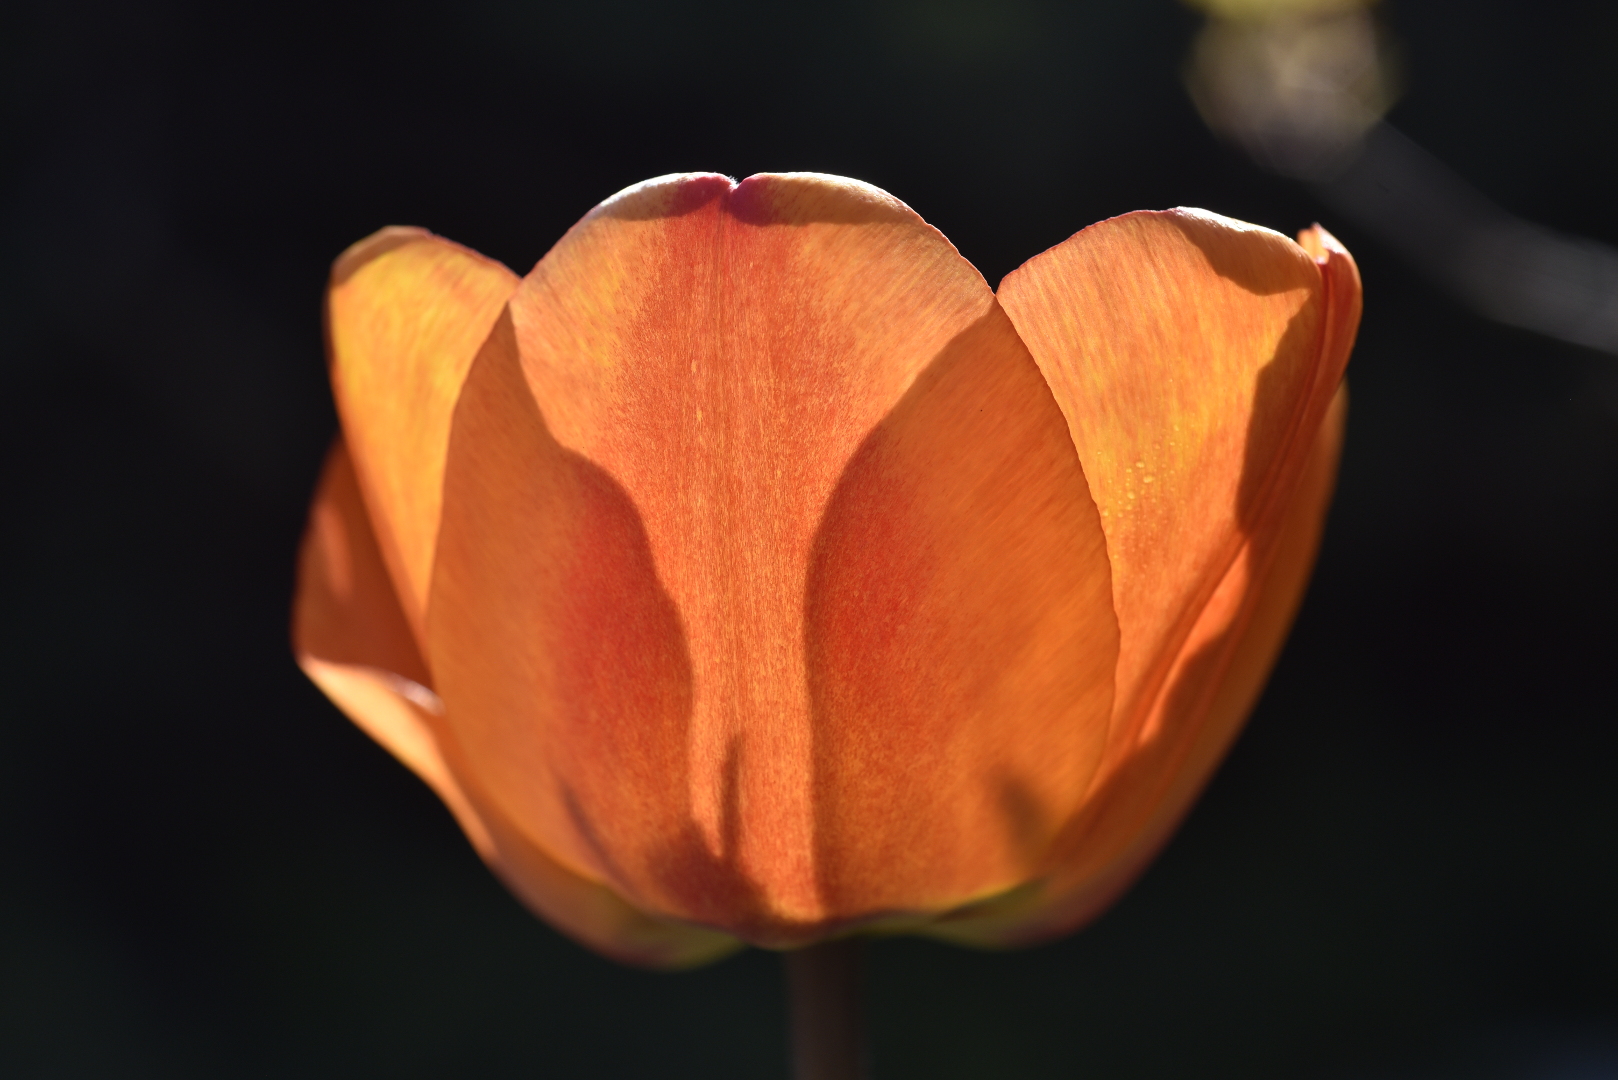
1405 870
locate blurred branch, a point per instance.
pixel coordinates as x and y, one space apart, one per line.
1508 269
1301 85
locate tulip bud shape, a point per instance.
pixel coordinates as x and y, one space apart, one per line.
752 572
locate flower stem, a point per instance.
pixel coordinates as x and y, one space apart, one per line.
823 988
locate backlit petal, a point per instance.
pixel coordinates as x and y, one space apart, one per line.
1194 358
1215 682
405 314
1214 671
351 638
350 634
770 513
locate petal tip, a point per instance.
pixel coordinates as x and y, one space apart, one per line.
1208 217
790 198
795 198
373 247
669 195
1320 244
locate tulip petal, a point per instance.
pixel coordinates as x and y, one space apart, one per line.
1166 745
1194 358
351 638
961 638
1216 680
350 634
734 442
405 314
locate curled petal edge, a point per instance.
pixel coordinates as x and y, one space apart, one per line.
344 593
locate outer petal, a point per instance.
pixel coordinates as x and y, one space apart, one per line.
1132 815
1186 352
405 314
1235 346
777 527
351 638
350 633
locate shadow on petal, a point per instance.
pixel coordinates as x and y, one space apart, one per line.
563 662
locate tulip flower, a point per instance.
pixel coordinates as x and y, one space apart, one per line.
752 572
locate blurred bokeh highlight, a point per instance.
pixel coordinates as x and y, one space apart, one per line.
1405 869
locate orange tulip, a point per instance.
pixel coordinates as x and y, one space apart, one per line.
751 571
